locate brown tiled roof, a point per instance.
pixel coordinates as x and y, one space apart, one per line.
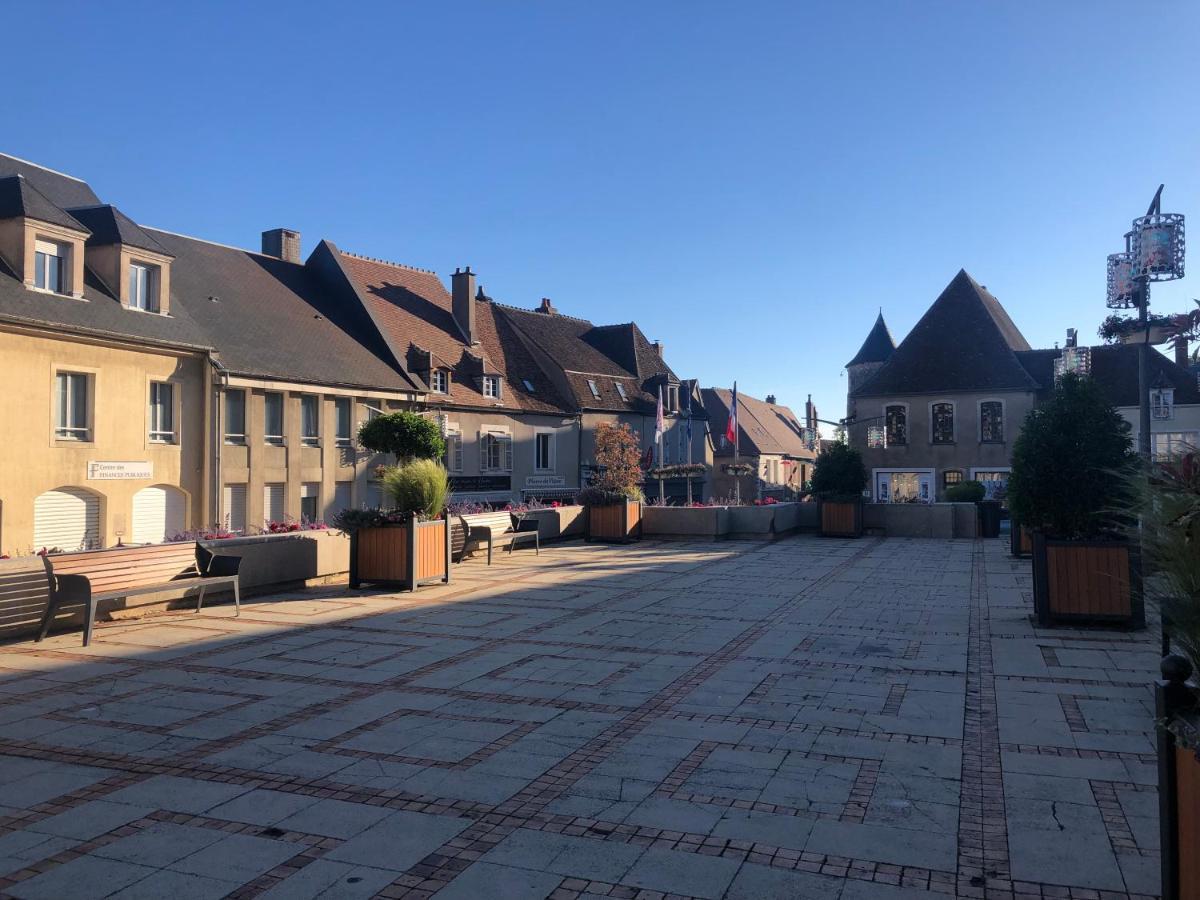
412 309
765 427
606 355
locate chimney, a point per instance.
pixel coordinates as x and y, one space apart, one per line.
462 290
282 243
1071 337
1181 351
659 349
547 307
771 399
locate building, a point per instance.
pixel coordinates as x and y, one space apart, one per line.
946 404
168 383
770 438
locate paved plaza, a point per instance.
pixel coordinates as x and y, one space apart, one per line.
806 718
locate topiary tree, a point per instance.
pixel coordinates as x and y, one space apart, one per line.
406 435
839 473
618 455
1072 464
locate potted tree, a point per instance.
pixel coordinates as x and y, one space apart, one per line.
405 435
1171 545
1072 465
614 500
838 481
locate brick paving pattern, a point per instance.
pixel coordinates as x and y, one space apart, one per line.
807 718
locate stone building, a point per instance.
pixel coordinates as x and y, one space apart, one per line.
771 439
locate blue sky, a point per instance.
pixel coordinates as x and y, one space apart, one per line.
750 182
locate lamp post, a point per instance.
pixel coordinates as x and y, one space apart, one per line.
1153 252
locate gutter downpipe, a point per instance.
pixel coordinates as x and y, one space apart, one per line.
218 383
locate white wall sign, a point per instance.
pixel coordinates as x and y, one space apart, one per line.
545 481
117 471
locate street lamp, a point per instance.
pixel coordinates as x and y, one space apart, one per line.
1153 252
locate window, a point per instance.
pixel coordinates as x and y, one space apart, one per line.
310 420
951 476
495 452
440 382
1165 444
941 420
143 287
342 413
49 266
595 390
274 509
528 385
233 507
672 398
72 418
991 422
896 423
621 390
273 418
491 387
1162 403
309 510
543 451
162 412
454 450
235 417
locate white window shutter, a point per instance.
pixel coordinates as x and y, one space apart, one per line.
508 453
483 452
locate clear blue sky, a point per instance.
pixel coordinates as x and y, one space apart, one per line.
750 182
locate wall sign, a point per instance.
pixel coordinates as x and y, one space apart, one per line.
479 483
545 481
118 471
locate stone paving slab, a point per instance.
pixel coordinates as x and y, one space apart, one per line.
805 718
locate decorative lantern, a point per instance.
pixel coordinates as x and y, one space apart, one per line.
1157 247
1122 287
876 437
1074 359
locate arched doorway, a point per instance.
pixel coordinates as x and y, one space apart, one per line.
66 518
158 514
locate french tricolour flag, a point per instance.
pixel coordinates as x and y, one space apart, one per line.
731 429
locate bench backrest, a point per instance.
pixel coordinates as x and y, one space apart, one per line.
119 568
497 521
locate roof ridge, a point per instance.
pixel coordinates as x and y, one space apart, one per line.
387 262
29 162
192 237
556 315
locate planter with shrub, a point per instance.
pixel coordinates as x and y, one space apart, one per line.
614 500
408 544
838 481
1073 465
1020 540
987 511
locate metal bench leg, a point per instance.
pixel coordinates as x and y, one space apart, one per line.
200 598
489 550
537 545
89 619
51 609
237 600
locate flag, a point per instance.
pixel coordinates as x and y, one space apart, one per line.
732 428
658 418
689 418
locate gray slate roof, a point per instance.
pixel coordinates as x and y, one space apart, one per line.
964 342
61 190
19 198
877 347
109 225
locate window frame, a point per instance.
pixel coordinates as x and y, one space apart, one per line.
454 449
953 423
439 381
42 267
551 462
621 391
595 388
313 439
346 403
1003 421
903 407
73 434
1162 399
151 303
158 435
492 381
280 439
946 473
500 438
233 438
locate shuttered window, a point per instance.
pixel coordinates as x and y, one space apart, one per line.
454 452
67 519
495 452
233 508
158 514
273 502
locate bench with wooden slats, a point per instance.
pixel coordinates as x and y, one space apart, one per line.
496 526
86 578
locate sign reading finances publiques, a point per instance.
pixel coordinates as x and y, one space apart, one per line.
117 471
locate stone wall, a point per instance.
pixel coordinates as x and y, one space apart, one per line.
927 520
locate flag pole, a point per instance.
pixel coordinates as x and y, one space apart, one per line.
689 449
737 479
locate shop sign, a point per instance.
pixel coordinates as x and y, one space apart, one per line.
118 471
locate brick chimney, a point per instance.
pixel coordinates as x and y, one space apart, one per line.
771 399
1181 351
659 348
1072 337
547 307
282 243
462 292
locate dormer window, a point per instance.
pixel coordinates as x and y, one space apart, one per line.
491 387
49 266
1162 403
439 382
672 398
621 390
143 287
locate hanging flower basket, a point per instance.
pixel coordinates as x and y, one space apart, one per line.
737 469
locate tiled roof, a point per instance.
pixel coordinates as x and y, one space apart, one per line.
764 427
877 347
964 342
109 225
61 190
20 198
412 309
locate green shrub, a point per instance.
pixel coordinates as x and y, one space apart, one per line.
966 492
1072 465
406 435
839 474
419 487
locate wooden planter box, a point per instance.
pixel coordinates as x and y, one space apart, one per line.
1020 540
615 522
840 518
1087 583
1176 706
407 555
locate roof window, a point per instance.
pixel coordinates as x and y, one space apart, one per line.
595 390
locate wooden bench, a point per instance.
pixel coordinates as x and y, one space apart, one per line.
495 526
86 578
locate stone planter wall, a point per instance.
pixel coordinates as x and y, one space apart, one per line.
269 562
945 521
561 523
685 523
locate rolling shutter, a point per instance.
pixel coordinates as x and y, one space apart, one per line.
157 514
68 518
233 506
341 499
273 506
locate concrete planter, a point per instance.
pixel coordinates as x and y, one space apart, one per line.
562 523
1087 583
751 521
944 521
685 523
